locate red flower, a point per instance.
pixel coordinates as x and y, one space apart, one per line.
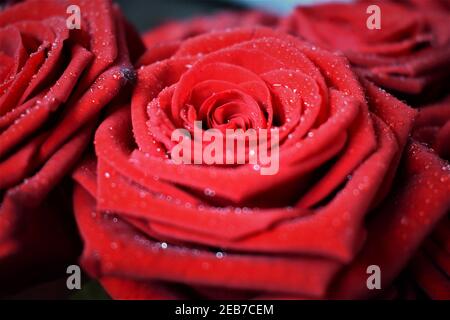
410 53
176 30
433 127
163 40
154 229
53 84
431 265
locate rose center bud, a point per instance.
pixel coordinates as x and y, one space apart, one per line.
232 109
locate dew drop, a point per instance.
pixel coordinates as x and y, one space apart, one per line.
404 221
209 192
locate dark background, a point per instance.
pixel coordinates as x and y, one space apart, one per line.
145 14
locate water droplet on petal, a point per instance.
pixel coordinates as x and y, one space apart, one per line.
209 192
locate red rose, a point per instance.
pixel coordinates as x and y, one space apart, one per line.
155 229
433 127
410 53
53 84
431 266
176 30
163 40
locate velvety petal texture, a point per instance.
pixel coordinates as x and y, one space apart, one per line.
353 189
54 81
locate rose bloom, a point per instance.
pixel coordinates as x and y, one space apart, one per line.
163 40
409 54
433 127
53 84
181 30
353 189
431 266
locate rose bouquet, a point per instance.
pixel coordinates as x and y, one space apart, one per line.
240 155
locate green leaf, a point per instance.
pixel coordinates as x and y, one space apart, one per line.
91 290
